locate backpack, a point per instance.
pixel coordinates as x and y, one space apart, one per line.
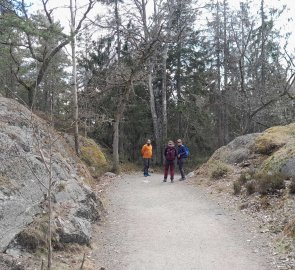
170 153
186 151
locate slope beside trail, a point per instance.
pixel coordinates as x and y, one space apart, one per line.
153 225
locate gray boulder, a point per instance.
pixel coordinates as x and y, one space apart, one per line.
237 150
24 178
288 169
74 230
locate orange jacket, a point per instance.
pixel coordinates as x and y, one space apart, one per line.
147 151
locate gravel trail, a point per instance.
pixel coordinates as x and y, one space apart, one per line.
153 225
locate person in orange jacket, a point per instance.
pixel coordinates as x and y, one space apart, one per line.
147 153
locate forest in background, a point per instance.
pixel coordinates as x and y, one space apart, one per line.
157 69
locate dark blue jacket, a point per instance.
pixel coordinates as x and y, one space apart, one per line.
181 151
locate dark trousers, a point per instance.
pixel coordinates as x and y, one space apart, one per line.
180 163
146 164
169 164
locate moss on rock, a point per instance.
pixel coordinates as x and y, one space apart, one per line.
279 143
93 156
275 162
274 138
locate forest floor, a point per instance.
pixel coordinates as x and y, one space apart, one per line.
159 226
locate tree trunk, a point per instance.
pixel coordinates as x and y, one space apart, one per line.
124 97
157 156
121 102
218 104
117 18
225 66
164 95
49 262
74 81
262 56
116 163
178 88
155 117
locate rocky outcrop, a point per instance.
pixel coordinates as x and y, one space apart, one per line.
26 142
272 151
238 150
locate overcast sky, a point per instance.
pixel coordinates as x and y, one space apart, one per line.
285 22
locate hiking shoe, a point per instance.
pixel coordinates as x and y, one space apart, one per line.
172 181
165 180
182 179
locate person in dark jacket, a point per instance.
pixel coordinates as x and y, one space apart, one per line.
170 155
181 156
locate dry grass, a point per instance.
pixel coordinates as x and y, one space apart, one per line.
237 187
34 237
217 169
265 202
128 167
289 230
245 176
269 183
274 138
250 187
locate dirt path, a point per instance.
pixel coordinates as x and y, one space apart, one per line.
162 226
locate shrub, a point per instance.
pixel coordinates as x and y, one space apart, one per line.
250 187
264 203
217 169
243 178
251 172
269 183
218 173
292 186
237 187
